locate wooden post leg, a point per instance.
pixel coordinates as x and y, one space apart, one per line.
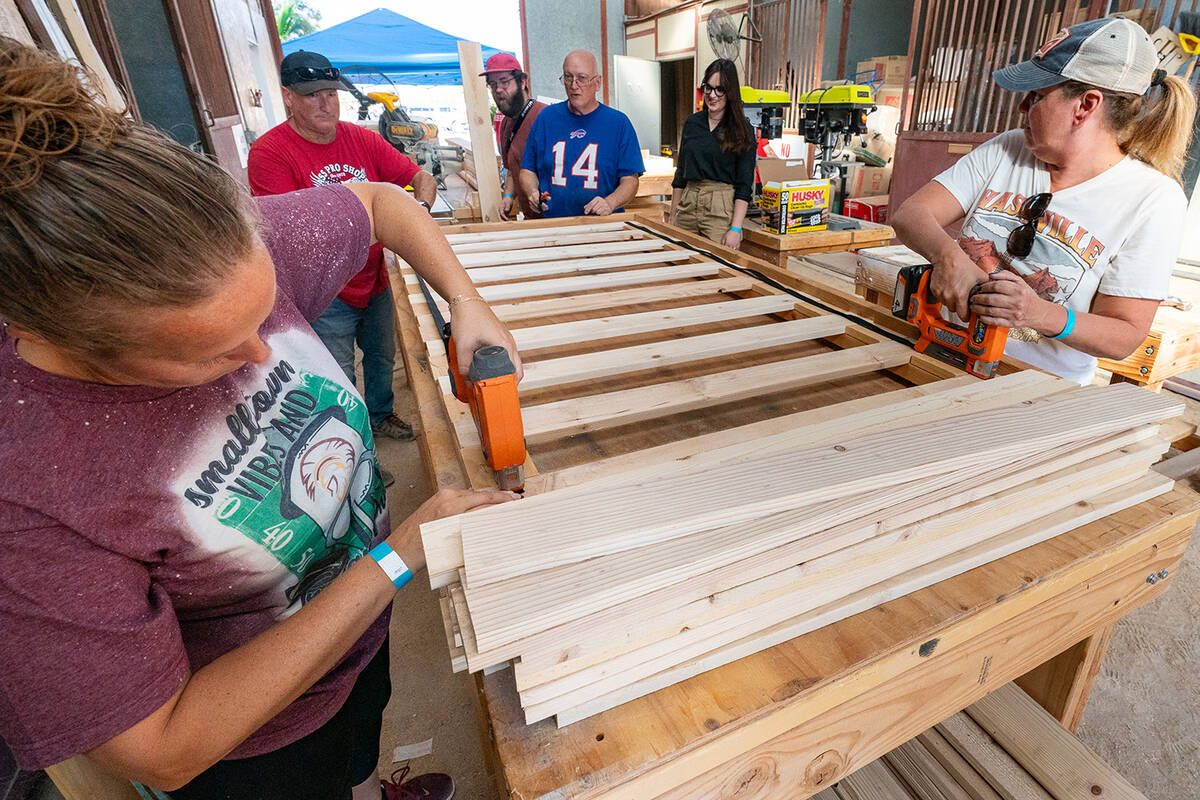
79 778
1062 684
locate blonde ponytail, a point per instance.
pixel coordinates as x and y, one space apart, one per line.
1161 135
1155 128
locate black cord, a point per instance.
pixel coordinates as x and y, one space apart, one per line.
776 284
438 320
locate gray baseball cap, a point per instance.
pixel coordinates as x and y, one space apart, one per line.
1112 53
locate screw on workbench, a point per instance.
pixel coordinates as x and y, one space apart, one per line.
1150 350
1144 371
1151 579
1162 574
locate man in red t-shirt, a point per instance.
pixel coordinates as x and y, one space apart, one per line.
314 148
510 90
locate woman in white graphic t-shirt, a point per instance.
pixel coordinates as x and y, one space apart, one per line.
1072 223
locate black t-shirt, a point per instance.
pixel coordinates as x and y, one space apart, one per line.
702 159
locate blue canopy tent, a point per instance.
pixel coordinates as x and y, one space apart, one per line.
402 49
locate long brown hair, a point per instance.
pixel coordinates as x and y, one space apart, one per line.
100 216
1155 128
733 130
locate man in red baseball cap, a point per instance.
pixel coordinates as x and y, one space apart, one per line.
510 89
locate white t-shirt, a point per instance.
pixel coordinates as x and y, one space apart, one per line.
1117 233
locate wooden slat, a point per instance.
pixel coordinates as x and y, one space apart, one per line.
991 550
628 324
566 417
1062 764
754 565
964 775
531 309
521 271
552 240
1005 775
873 781
826 579
604 363
481 275
581 283
511 234
551 253
925 778
783 480
443 547
872 413
483 142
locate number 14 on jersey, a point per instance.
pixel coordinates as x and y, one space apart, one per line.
584 167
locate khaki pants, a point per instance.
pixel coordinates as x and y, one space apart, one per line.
706 208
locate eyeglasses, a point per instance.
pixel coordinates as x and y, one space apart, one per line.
1020 241
715 91
506 81
305 74
577 80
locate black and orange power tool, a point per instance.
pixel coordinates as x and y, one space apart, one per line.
490 389
976 348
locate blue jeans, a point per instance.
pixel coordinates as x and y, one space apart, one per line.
374 329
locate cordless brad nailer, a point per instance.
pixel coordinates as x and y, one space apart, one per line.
976 348
490 389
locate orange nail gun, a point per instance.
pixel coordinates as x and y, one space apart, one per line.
491 391
977 348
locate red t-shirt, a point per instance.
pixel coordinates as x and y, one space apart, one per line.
282 160
512 156
145 532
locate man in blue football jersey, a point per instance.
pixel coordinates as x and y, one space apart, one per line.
582 157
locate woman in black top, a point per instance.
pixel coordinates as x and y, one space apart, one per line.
714 172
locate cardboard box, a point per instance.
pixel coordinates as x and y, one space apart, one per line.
777 170
864 181
889 69
794 206
871 209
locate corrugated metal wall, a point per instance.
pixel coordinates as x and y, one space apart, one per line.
963 41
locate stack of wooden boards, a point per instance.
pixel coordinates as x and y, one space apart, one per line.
606 590
1002 747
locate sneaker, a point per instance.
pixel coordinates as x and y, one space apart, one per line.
388 478
392 427
430 786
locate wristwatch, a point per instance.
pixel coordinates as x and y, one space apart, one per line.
427 206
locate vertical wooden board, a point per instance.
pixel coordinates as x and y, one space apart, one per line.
483 144
1064 682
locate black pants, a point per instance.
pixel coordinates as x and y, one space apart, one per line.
325 765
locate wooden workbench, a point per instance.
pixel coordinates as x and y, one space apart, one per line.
788 721
777 248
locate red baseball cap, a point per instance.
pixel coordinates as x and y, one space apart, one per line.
501 62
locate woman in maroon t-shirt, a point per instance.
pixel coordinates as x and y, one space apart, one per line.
156 370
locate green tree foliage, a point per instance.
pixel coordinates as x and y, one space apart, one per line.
294 18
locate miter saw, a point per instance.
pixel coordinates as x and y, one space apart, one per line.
415 138
830 118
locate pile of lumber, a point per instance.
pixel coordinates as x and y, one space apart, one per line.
467 173
1003 746
613 588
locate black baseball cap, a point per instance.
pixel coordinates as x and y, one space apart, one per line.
305 73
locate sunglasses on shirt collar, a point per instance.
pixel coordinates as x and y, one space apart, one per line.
1020 241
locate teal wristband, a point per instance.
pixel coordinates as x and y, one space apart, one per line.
735 228
508 194
1070 326
392 564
